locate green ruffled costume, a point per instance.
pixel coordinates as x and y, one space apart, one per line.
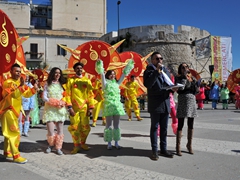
52 113
34 114
112 104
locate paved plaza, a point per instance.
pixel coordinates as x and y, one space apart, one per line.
216 145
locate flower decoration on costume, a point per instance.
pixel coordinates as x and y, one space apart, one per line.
75 86
99 67
13 128
128 68
64 94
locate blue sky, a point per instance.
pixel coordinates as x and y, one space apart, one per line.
35 1
218 17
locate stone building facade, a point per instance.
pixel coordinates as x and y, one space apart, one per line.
175 47
65 22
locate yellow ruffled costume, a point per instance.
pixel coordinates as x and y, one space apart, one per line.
98 92
10 107
81 98
131 95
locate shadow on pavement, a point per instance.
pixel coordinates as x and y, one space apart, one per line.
124 135
29 147
100 150
131 135
95 151
4 159
236 151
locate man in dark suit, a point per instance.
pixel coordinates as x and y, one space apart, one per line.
158 103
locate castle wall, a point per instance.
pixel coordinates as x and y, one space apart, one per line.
175 47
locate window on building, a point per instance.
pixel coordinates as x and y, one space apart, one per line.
33 51
161 35
61 51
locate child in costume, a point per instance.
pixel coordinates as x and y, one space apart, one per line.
28 105
112 106
173 112
98 95
131 98
142 101
13 90
39 95
214 94
224 96
55 111
80 102
34 114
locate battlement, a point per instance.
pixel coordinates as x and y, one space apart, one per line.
175 46
158 33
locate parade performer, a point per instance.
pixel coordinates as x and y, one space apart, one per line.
112 106
142 101
98 95
34 114
214 94
28 105
131 98
13 90
80 102
173 112
55 111
201 96
224 96
237 96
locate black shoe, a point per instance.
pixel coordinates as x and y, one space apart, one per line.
167 154
155 156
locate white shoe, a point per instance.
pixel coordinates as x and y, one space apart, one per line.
59 152
49 149
25 134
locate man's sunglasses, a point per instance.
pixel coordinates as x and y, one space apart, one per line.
185 67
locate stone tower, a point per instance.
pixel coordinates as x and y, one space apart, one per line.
175 47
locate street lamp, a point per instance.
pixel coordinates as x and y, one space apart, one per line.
118 3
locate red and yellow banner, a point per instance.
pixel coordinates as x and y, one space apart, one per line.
221 57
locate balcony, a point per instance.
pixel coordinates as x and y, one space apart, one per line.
34 56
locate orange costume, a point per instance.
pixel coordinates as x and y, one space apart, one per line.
81 98
237 96
10 108
131 100
98 92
